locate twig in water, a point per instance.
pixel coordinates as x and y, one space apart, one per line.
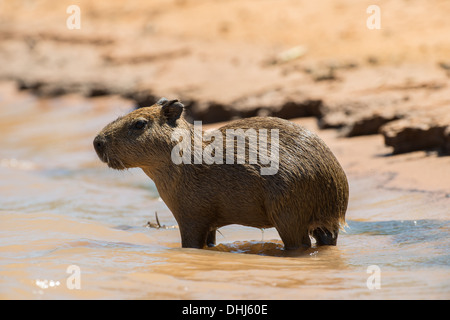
158 225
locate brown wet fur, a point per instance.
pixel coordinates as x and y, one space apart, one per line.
308 195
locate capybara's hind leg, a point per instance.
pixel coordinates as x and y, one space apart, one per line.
325 237
211 238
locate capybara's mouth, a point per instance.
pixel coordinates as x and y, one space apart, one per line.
102 156
115 164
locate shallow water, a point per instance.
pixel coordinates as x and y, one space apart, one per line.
60 207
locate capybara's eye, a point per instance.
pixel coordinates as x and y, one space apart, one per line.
140 124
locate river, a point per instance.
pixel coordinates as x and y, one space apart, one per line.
72 228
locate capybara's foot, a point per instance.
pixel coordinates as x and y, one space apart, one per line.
325 237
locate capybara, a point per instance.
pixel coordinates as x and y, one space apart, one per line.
268 172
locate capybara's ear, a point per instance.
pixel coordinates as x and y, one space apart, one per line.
171 110
162 101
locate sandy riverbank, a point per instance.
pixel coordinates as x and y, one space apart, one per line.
236 59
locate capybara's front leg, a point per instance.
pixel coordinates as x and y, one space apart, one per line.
292 228
211 238
193 236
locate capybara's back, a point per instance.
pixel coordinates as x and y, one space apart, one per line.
308 194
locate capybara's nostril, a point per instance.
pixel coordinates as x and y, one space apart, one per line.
99 145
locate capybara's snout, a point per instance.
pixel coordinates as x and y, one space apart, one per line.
99 146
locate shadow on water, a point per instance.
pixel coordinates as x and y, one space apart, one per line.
424 242
272 248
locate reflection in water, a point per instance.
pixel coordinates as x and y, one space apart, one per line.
60 206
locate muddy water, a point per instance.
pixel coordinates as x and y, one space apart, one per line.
61 207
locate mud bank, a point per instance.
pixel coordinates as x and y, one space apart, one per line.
274 59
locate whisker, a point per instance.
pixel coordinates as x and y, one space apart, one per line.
121 163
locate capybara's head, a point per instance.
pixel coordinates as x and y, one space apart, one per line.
140 137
